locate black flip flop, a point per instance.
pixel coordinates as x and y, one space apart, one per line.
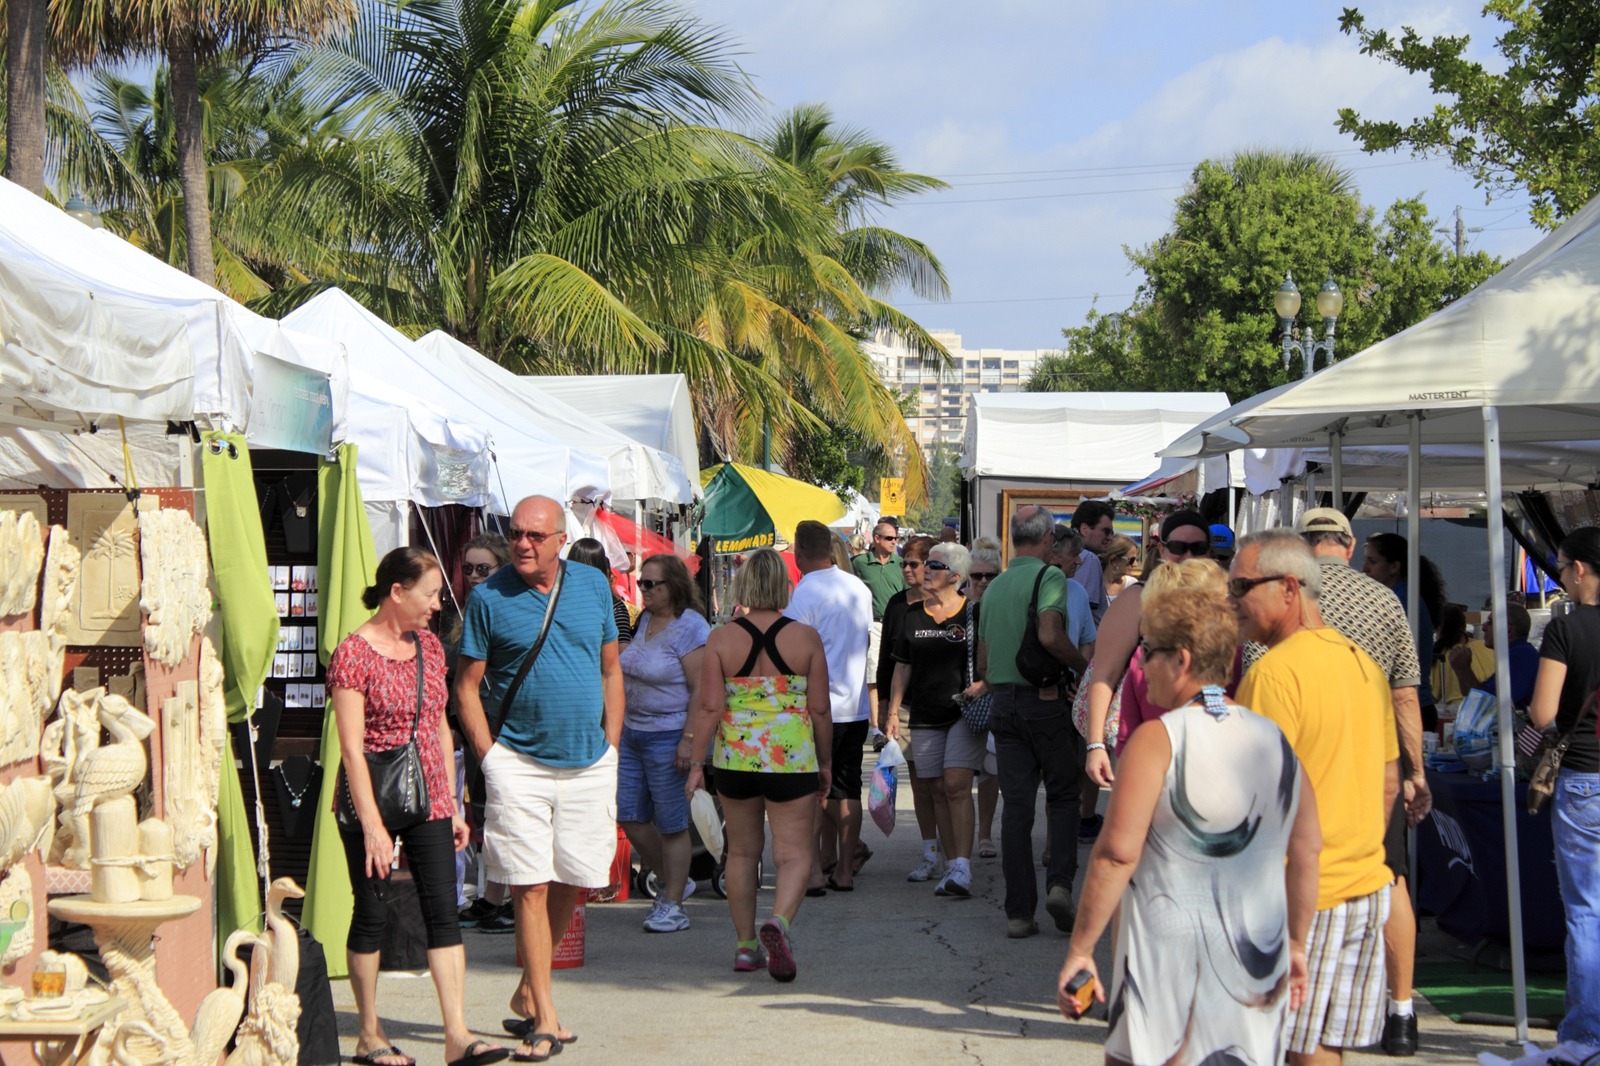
816 893
371 1058
522 1028
834 886
485 1057
533 1040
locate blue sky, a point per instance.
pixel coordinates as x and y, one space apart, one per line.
1068 128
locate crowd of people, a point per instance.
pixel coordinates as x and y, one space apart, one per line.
1256 710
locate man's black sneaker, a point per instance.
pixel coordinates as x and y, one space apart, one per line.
1400 1035
476 911
501 921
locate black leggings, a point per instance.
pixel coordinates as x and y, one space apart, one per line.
431 855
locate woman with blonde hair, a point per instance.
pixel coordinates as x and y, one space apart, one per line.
763 712
1117 560
1218 793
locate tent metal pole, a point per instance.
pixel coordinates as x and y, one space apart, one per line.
1414 527
1502 671
1336 447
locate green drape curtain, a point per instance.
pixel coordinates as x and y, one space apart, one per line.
249 618
347 564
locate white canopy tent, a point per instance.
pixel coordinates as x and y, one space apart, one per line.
637 471
460 431
1076 440
653 409
1514 362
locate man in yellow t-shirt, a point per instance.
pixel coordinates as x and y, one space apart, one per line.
1332 703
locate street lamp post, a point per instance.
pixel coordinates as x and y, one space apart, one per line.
1330 301
76 208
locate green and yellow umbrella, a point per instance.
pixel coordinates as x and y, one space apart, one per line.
748 508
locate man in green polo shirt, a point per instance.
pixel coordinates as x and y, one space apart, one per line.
1034 738
879 568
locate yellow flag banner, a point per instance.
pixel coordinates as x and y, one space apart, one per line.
892 496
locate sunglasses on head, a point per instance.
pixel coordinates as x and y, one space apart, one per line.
1196 548
645 584
480 569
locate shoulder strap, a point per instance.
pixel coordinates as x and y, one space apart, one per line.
972 641
760 642
416 720
533 652
1033 601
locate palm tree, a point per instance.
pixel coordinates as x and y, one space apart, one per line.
189 33
26 35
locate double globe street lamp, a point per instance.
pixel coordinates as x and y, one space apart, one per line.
1330 301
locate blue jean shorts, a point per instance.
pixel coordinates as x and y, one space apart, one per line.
649 787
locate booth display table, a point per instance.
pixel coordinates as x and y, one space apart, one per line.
62 1041
1461 865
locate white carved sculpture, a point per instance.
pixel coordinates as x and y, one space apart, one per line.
60 583
220 1011
27 820
213 743
267 1036
187 807
70 736
26 665
104 609
177 576
108 775
21 554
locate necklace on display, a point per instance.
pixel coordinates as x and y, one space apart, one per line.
295 797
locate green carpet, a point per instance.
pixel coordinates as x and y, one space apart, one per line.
1456 990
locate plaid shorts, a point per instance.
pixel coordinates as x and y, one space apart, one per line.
1344 1006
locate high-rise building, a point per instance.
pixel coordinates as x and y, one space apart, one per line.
942 393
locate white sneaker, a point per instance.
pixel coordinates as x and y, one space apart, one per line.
688 889
666 917
926 870
957 882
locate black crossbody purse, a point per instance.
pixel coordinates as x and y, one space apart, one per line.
398 784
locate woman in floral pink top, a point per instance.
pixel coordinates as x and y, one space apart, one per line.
373 680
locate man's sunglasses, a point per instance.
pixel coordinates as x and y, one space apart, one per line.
1239 587
1196 548
480 569
514 535
645 584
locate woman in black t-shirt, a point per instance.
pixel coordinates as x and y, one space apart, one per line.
930 671
1569 675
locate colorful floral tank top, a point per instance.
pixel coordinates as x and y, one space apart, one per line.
766 728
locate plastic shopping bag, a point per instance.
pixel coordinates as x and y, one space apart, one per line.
885 780
1477 731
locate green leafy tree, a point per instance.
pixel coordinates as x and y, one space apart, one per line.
944 490
1203 318
1530 122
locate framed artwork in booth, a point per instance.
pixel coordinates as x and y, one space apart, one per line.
1061 503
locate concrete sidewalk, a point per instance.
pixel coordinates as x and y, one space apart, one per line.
889 973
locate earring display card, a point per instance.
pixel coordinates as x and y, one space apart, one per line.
283 603
313 603
298 581
311 579
318 696
293 664
297 604
308 664
280 664
280 578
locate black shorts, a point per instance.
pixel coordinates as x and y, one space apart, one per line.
775 788
1396 854
849 745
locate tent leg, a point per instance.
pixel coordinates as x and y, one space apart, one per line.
1336 447
1502 670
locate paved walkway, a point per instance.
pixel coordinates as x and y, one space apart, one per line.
888 974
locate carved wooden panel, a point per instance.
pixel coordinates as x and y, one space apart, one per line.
105 604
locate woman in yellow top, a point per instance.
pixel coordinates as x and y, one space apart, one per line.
764 687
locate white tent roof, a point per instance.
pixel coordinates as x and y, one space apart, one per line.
638 471
653 409
1527 341
1080 436
212 379
456 426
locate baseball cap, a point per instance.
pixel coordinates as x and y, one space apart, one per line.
1324 520
1221 538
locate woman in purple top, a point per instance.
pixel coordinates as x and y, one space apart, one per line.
660 676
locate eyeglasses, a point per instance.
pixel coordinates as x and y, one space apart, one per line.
1239 587
514 535
983 575
1196 548
645 584
1130 560
1150 649
480 569
934 564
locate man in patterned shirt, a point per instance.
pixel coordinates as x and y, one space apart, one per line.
1368 613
